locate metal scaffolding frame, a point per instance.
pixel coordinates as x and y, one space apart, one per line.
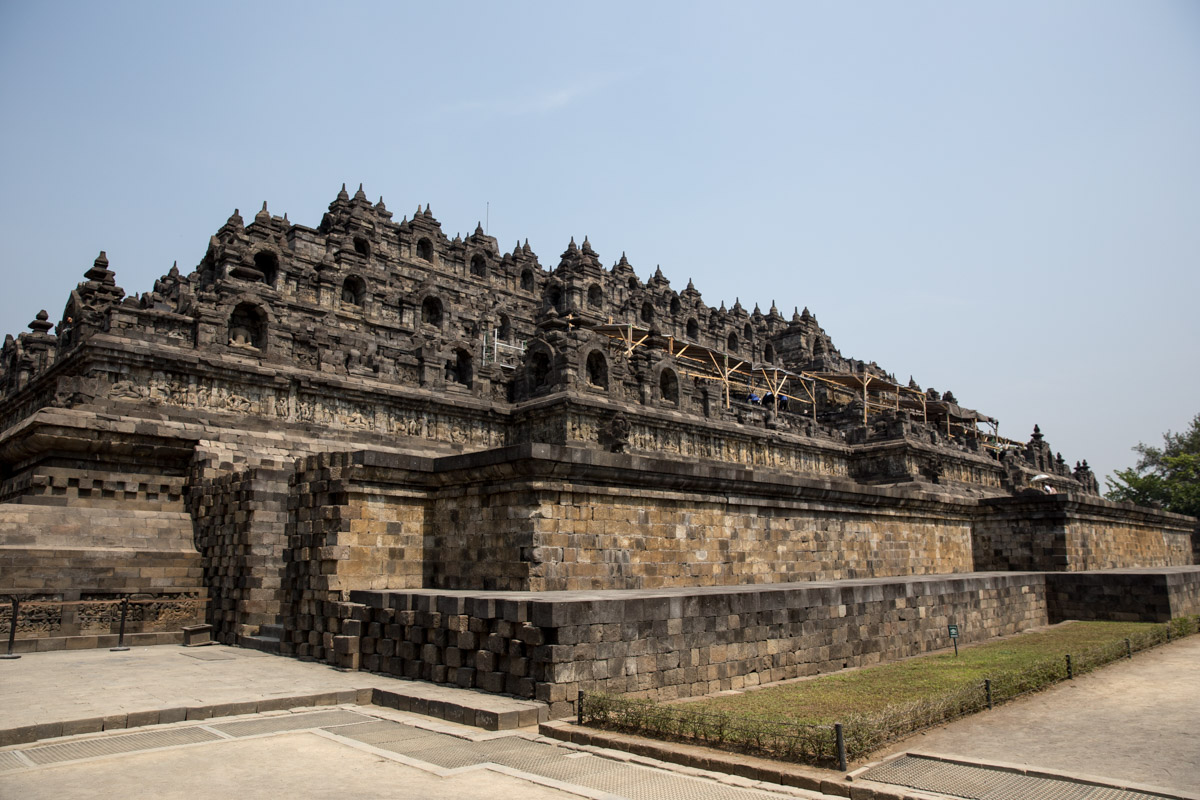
731 371
496 351
736 374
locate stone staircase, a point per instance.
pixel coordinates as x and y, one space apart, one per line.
266 640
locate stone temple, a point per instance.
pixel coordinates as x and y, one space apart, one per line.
375 445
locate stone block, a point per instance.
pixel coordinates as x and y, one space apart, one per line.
115 722
346 645
25 734
234 709
167 716
455 713
78 726
139 719
835 788
490 681
52 730
194 635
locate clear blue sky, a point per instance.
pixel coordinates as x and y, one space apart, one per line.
999 199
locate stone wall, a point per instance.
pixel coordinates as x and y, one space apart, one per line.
345 535
50 549
590 538
670 643
365 325
51 555
1076 532
72 486
1132 595
545 518
539 517
970 472
161 396
482 536
80 620
240 520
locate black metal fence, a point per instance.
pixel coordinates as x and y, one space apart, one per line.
810 744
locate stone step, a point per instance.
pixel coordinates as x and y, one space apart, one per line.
463 706
265 644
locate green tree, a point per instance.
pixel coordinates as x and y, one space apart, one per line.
1168 476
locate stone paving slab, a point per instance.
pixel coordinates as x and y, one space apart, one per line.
64 693
393 754
707 758
1135 720
958 778
290 765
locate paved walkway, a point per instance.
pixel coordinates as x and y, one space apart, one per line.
1134 721
85 691
226 722
344 750
296 765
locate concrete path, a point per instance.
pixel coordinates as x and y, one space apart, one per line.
294 765
343 751
84 691
1133 721
215 722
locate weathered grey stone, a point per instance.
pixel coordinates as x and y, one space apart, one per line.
373 445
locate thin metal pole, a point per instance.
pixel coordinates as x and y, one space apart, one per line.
12 628
865 401
841 746
121 635
1128 649
987 687
579 708
1070 669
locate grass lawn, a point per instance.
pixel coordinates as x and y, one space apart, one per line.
833 697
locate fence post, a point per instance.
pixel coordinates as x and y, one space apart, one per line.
12 628
1070 671
1128 649
987 687
121 634
841 746
579 708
